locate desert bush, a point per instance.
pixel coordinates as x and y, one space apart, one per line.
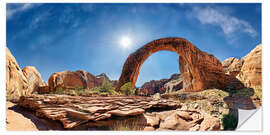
79 88
229 122
257 92
73 93
107 86
127 89
59 91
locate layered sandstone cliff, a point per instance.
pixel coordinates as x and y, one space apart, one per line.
251 71
16 82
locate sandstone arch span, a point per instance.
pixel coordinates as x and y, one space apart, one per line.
199 69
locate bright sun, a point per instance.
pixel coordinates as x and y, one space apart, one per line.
125 41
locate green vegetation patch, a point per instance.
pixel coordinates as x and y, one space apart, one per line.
229 122
127 89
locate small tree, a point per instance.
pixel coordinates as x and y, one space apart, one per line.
127 89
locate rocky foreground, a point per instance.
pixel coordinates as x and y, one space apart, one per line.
84 113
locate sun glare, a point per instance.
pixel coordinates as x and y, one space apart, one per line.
125 41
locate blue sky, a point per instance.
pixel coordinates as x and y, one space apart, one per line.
59 37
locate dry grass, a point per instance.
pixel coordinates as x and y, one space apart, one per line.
130 124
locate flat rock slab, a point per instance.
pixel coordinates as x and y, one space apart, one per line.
73 111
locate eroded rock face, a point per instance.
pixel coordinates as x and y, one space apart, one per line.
175 83
79 78
154 86
251 71
66 79
71 80
232 66
73 111
199 70
34 78
16 83
182 119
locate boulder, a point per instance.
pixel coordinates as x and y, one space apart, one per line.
251 71
199 69
66 80
152 120
16 82
34 78
174 122
210 123
184 115
88 79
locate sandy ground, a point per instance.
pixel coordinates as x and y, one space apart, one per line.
16 121
19 119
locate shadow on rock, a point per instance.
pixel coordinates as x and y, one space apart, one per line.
40 123
239 99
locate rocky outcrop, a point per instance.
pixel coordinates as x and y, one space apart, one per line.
73 111
232 66
182 119
154 86
175 83
34 78
199 70
251 71
72 80
83 113
244 72
65 80
100 78
16 82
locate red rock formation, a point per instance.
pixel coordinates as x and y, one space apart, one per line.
34 78
73 111
71 80
154 86
16 83
66 79
251 71
199 70
100 78
174 83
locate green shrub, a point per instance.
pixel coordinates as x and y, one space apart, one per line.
79 88
73 93
229 122
107 86
59 91
127 89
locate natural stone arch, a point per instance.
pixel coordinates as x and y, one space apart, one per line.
199 69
